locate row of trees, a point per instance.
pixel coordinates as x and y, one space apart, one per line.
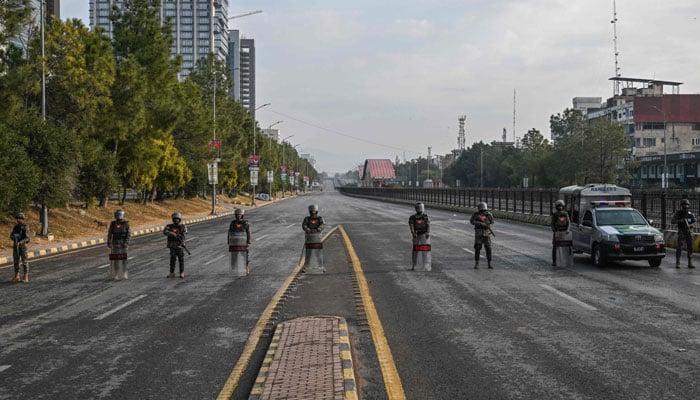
580 153
116 114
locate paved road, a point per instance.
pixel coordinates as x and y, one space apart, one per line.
521 330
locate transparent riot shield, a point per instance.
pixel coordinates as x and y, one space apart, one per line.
117 262
564 244
238 247
422 259
314 253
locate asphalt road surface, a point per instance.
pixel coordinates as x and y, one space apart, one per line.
523 330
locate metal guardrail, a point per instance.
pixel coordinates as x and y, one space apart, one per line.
657 206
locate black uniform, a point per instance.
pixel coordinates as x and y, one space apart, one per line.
118 237
560 223
482 221
20 238
177 235
419 224
241 225
684 220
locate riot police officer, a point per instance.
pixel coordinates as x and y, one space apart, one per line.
177 235
20 238
560 223
482 220
118 237
312 225
420 225
684 220
240 224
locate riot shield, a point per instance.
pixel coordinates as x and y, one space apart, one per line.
314 253
238 247
564 244
421 257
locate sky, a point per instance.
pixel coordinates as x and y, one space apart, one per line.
352 80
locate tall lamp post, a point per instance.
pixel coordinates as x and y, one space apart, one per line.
254 169
664 178
284 165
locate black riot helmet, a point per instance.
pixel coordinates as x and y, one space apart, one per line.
119 215
559 205
177 216
685 202
239 211
313 209
19 216
420 208
482 207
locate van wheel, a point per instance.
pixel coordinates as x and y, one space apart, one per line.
597 256
654 262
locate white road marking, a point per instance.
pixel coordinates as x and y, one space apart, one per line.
289 226
566 296
128 303
467 250
213 260
261 237
4 367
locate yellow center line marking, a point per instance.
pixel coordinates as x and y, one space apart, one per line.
392 380
254 338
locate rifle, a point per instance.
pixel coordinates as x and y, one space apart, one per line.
182 244
491 231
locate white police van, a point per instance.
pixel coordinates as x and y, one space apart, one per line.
604 225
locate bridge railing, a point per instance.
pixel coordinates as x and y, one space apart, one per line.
657 206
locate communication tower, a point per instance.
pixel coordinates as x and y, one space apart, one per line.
616 83
461 139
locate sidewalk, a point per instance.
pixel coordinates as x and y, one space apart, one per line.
309 358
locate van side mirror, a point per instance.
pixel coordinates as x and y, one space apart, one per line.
587 223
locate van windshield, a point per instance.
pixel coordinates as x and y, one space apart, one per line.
619 217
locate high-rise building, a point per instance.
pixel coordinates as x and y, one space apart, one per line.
234 62
247 70
200 27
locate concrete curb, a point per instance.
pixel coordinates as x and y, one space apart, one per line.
76 245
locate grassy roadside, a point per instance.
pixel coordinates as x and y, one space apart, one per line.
75 222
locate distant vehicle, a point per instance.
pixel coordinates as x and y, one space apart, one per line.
263 196
604 225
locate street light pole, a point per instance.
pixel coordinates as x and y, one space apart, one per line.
284 150
254 149
664 178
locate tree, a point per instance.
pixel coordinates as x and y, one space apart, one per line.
19 181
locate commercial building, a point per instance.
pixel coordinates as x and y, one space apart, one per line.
199 27
662 129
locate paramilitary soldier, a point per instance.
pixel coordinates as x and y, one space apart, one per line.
419 224
482 220
684 220
312 226
239 225
118 237
560 223
177 234
20 238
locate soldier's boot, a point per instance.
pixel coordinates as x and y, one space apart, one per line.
690 261
678 262
25 278
247 270
488 256
490 267
476 259
554 256
16 278
171 275
182 274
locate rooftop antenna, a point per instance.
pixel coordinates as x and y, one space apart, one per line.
461 140
616 83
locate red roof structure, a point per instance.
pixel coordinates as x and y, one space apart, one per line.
377 171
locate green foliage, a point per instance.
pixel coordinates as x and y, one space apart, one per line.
19 181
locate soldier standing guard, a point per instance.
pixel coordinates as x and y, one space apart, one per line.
177 234
684 220
118 237
560 223
312 226
20 238
482 220
239 241
420 231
